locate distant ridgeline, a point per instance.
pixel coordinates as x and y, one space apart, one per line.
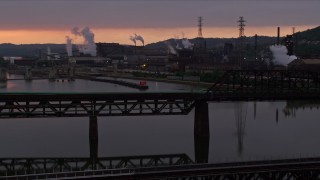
30 50
308 45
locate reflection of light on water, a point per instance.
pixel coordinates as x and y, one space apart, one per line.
8 85
156 85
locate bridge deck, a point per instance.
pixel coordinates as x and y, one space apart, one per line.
305 168
27 105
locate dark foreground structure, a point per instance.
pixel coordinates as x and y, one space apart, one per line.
306 168
232 86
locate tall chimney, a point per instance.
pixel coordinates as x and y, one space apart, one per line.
255 46
278 37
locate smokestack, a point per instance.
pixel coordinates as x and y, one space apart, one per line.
278 37
255 46
48 53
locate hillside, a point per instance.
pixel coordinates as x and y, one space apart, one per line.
217 42
308 43
309 35
29 50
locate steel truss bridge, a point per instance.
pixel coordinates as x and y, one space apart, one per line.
305 168
266 85
231 86
23 166
32 105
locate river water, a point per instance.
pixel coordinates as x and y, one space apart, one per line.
239 131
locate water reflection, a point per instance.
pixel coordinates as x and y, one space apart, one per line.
291 107
235 135
18 166
240 110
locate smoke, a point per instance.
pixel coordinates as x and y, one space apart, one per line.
75 31
133 39
171 49
178 46
88 46
136 38
69 45
186 43
280 56
176 39
139 38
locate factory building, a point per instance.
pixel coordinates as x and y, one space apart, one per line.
305 65
89 60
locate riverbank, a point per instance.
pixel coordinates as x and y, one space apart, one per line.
130 76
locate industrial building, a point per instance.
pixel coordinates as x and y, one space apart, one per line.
305 65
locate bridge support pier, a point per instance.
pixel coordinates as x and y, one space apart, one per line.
28 74
201 132
52 73
93 140
3 74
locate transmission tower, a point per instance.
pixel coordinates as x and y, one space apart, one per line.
241 41
241 27
200 27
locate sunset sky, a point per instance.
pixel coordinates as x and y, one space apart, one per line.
50 21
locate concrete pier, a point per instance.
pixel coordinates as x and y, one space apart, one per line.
93 140
201 119
71 72
201 132
53 73
28 74
3 74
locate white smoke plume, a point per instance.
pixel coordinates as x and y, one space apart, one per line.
139 38
88 46
133 39
280 56
178 46
176 39
75 31
136 38
69 46
171 49
186 43
88 36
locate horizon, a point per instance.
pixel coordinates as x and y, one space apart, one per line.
59 37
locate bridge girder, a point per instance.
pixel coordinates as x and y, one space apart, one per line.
271 84
26 106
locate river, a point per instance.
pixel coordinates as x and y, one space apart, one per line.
239 131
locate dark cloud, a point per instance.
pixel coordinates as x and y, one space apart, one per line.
57 14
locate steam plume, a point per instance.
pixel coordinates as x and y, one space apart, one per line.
69 45
88 46
139 38
75 31
136 38
133 39
186 43
280 56
171 49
